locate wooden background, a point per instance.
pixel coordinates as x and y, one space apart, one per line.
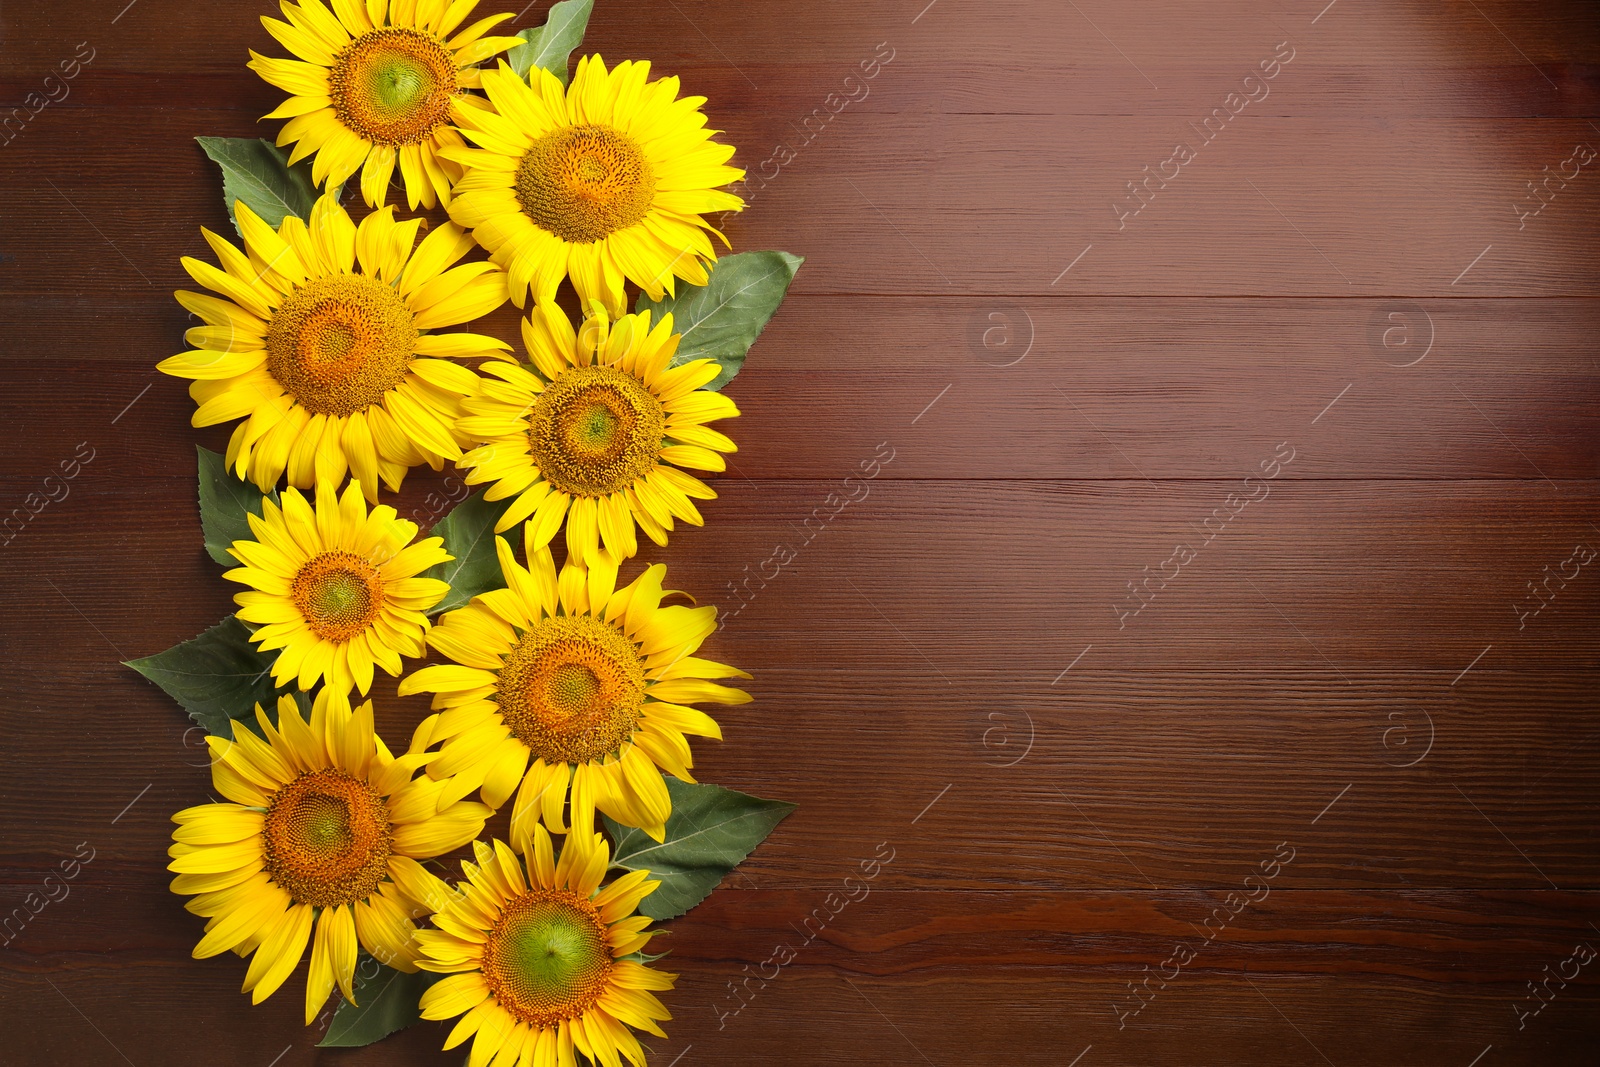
943 671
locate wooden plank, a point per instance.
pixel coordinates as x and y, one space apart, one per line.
1037 388
1396 976
1400 60
962 567
947 211
1108 778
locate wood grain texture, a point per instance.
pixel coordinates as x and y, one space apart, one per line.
1074 779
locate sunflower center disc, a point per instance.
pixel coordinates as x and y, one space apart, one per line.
546 959
338 343
570 689
393 86
327 839
583 183
338 594
595 430
573 688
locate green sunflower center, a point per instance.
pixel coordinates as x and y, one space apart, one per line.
327 838
573 687
595 430
393 86
584 183
570 689
546 959
400 83
339 594
338 343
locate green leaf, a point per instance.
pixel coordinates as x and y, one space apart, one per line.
722 319
388 1002
710 830
224 503
217 677
468 533
258 173
550 46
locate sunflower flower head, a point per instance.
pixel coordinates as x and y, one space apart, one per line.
319 341
322 830
537 957
594 433
565 684
335 590
373 86
604 181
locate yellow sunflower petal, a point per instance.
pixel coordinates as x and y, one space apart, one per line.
279 953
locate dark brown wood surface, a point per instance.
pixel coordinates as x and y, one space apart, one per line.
951 670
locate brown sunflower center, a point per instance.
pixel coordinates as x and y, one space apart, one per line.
583 183
393 86
339 594
546 959
570 689
595 430
327 838
338 343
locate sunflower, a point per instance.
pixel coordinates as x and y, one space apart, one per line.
586 680
604 181
323 827
590 432
331 365
541 960
336 589
373 87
